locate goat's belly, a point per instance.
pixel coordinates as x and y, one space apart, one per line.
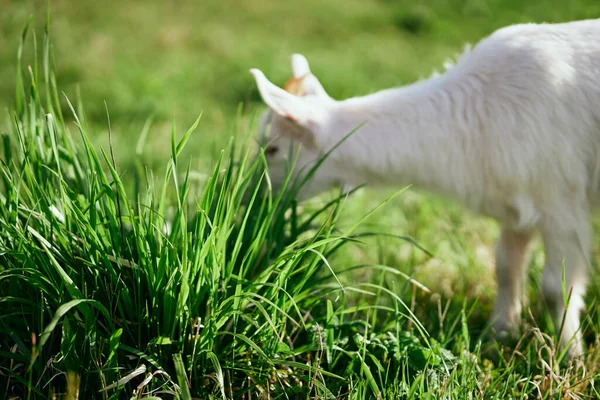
517 212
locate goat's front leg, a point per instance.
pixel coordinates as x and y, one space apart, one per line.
567 243
512 257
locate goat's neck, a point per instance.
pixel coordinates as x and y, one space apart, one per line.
420 134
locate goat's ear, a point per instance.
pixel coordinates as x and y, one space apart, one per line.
281 102
300 66
312 87
310 83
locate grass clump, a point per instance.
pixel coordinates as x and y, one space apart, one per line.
105 296
115 285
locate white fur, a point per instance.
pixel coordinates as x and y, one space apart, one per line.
512 130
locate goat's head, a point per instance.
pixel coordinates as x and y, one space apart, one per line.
294 129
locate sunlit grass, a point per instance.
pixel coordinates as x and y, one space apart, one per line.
119 282
157 290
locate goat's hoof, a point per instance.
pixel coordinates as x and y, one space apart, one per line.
500 341
504 336
504 333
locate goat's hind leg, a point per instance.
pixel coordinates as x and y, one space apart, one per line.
512 258
567 243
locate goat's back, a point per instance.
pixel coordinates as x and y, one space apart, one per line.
537 103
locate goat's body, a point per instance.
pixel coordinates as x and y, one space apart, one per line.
516 120
512 130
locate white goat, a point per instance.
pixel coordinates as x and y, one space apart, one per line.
512 130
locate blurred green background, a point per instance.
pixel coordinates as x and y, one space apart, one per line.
176 59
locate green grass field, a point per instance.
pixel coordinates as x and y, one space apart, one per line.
385 294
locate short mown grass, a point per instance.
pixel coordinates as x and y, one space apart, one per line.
124 284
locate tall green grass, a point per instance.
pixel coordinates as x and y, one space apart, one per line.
177 287
133 286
